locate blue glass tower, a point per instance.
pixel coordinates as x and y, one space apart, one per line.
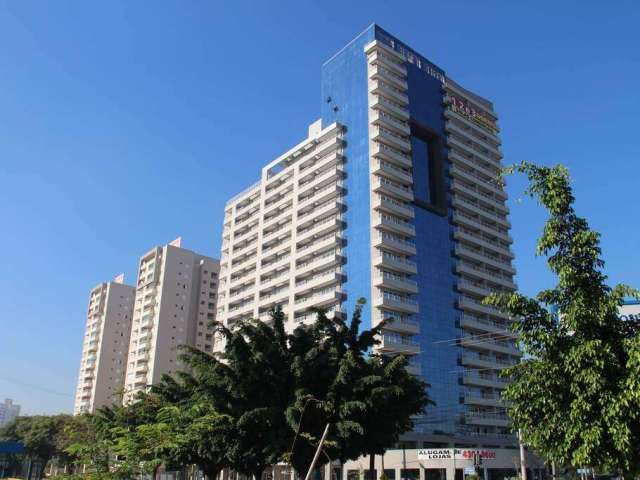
425 225
393 197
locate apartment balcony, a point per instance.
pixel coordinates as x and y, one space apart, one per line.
481 379
394 123
242 291
386 61
277 232
279 242
392 172
246 216
400 265
404 326
483 274
467 304
242 247
496 346
383 186
331 207
474 359
142 368
284 215
276 182
320 280
276 278
460 144
283 260
320 262
327 148
318 244
488 419
472 135
378 102
399 284
379 87
242 309
379 150
453 116
466 161
276 204
265 317
473 223
393 345
479 195
474 288
329 176
473 238
468 253
319 299
274 297
485 400
321 195
396 245
378 72
385 222
244 264
395 303
395 207
320 228
275 254
329 159
489 184
241 235
475 208
391 139
483 324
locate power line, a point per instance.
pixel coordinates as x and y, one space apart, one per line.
35 387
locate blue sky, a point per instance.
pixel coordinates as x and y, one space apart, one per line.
125 124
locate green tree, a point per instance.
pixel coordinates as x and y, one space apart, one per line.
40 434
254 388
367 399
576 395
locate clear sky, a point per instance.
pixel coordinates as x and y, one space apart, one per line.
125 124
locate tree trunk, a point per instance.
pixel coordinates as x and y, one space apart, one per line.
210 472
257 474
372 466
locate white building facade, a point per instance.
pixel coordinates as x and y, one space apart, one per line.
175 300
8 411
105 346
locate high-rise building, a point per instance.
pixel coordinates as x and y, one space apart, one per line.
105 345
174 305
394 196
630 310
8 411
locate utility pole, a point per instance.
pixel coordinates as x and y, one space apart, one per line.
318 450
523 464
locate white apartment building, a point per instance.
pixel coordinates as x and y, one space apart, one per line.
8 411
174 305
282 236
105 345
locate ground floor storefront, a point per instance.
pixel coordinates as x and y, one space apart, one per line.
442 464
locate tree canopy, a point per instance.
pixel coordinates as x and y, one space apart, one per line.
265 399
576 395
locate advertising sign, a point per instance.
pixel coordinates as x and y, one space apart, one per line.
457 454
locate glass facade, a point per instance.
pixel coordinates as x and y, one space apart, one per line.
344 100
